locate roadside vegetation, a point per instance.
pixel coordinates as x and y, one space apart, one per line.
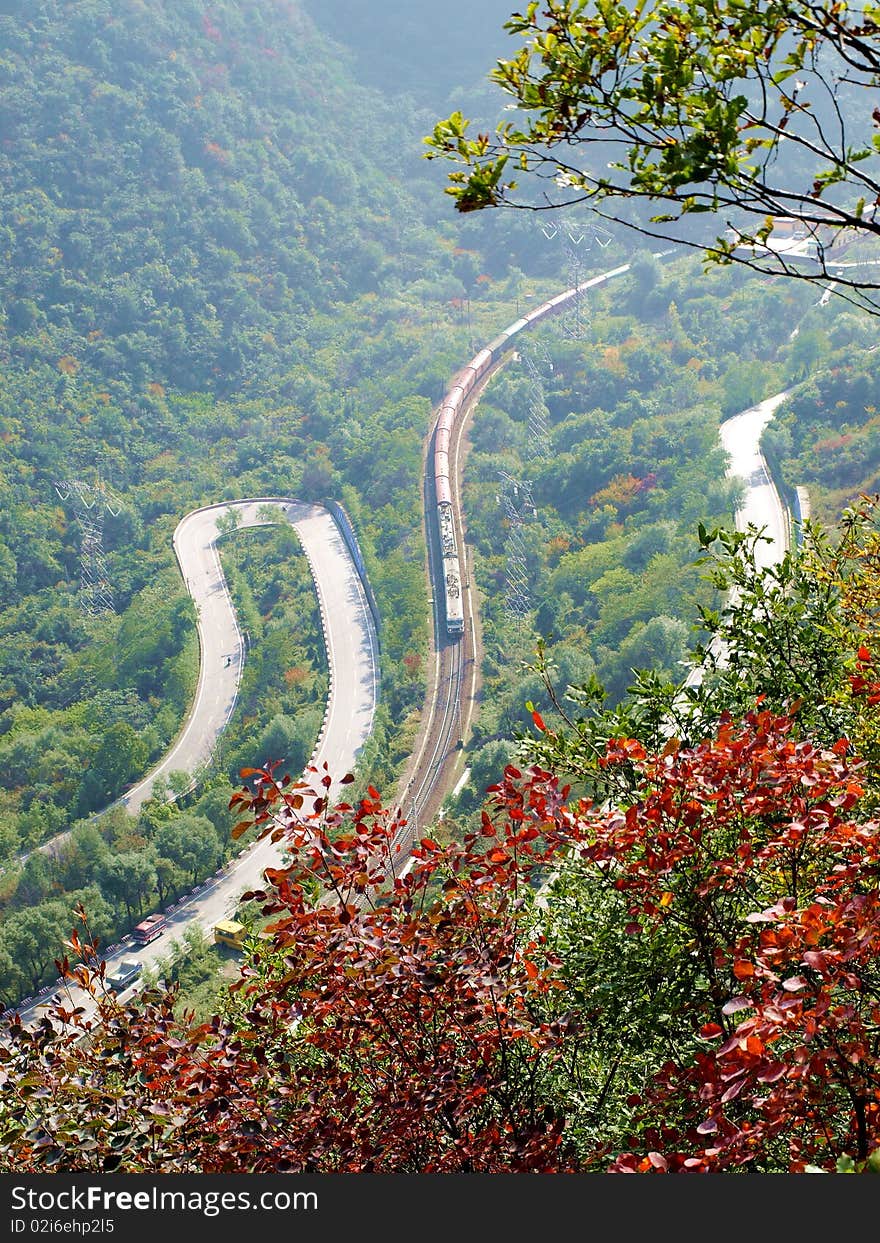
674 973
631 466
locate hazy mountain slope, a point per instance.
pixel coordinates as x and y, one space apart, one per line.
416 46
207 235
179 181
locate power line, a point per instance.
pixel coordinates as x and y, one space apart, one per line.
537 363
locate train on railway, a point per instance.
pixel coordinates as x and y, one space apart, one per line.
451 585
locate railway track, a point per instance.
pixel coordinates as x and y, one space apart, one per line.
437 756
442 744
437 747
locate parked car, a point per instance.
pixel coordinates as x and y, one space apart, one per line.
123 975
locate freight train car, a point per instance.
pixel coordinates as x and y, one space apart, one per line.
451 407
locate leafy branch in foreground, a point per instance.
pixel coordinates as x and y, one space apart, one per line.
747 111
718 1010
679 973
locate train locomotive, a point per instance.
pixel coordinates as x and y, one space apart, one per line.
453 403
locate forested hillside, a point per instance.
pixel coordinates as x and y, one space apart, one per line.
632 464
203 286
827 437
212 285
226 272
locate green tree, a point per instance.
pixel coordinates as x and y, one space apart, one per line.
228 521
171 879
488 761
34 937
660 645
128 879
120 757
11 979
808 350
36 880
191 843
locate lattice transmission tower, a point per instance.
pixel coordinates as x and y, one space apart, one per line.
516 500
90 503
576 240
537 363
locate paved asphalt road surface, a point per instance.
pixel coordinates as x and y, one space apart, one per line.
221 643
353 656
741 436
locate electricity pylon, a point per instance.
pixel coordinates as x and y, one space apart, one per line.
90 502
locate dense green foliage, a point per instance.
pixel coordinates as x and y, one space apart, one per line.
633 466
827 436
208 290
677 976
284 683
211 288
204 294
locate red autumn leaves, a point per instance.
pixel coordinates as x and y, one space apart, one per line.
428 1020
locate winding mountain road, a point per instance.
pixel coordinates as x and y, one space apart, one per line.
349 635
352 652
353 659
761 505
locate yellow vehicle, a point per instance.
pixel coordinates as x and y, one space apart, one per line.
229 932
